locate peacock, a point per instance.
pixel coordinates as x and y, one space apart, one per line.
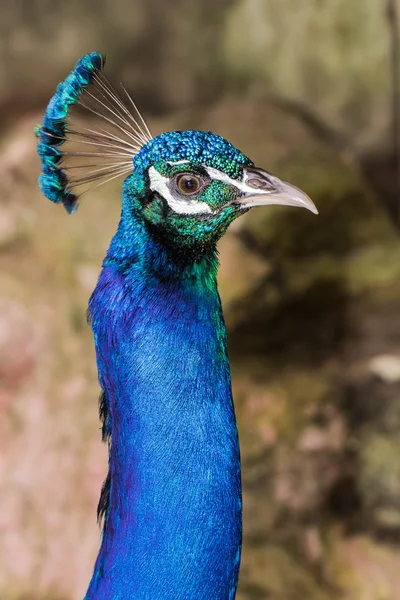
171 504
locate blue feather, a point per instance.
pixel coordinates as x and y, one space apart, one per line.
173 522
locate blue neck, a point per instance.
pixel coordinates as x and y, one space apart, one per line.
173 518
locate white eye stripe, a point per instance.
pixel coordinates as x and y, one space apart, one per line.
158 184
237 183
241 184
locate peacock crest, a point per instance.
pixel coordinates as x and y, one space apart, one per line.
74 156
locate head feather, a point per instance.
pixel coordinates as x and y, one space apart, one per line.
111 150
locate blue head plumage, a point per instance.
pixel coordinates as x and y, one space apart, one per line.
194 147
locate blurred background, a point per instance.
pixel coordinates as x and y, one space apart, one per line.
310 91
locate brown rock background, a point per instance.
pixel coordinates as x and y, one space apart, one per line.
312 304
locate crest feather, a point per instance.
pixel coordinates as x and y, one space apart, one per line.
111 150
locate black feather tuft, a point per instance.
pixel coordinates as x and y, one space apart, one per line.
104 501
105 418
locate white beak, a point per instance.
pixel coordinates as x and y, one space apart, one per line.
260 188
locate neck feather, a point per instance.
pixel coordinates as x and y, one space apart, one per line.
173 504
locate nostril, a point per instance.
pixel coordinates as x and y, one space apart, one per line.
255 182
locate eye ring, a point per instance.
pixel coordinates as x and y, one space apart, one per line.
188 184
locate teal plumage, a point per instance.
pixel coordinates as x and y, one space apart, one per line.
172 500
53 181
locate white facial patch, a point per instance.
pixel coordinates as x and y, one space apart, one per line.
159 184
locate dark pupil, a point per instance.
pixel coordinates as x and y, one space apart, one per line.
189 183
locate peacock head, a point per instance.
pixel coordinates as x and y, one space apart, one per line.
186 187
193 184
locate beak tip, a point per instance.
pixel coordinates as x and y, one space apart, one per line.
314 209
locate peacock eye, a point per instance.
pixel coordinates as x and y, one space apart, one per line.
188 183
